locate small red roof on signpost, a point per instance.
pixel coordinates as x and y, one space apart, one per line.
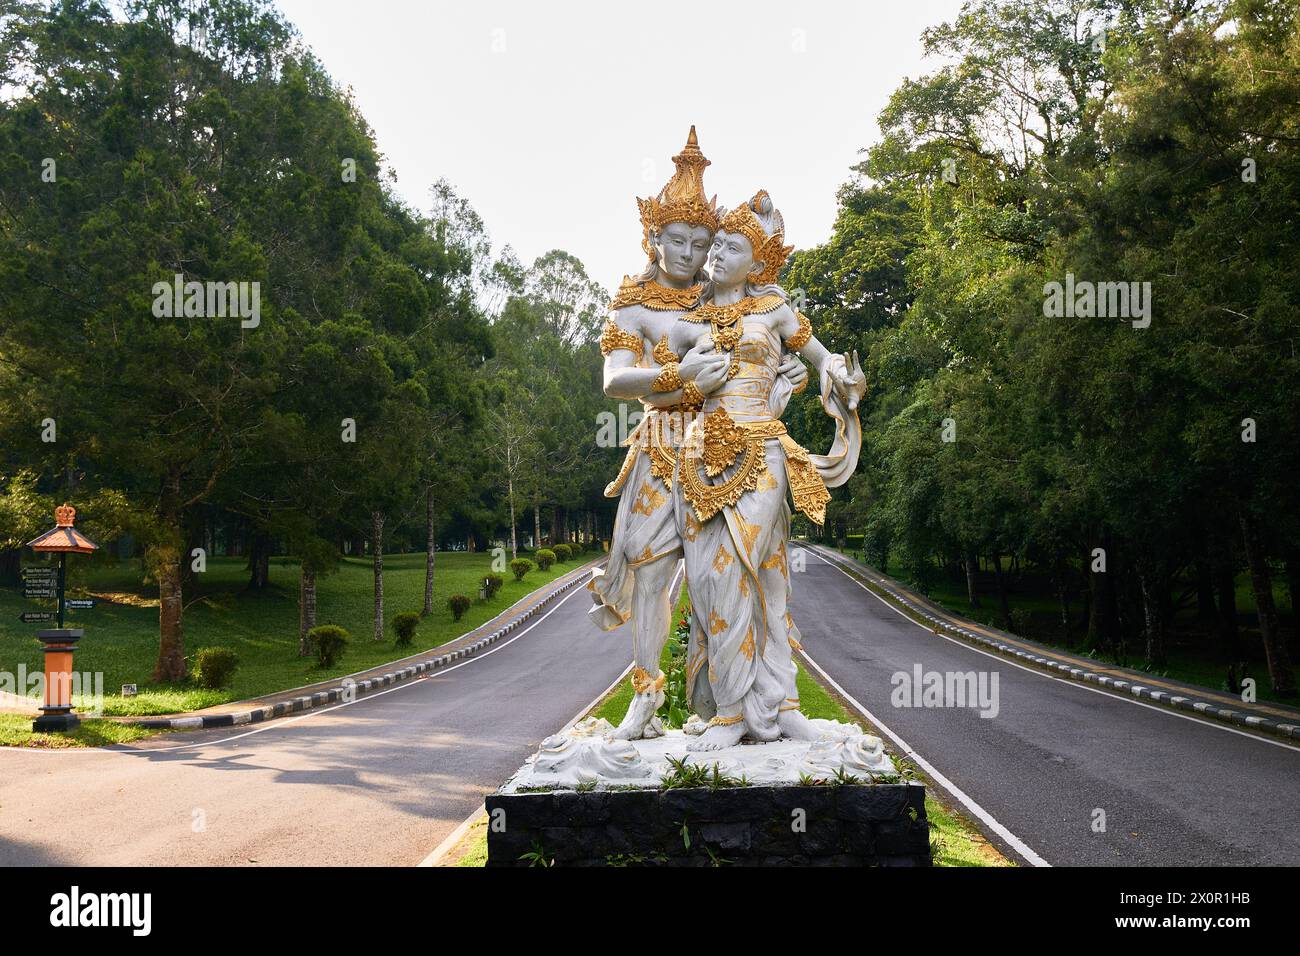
63 538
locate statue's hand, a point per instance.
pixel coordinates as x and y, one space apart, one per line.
705 366
792 367
847 378
711 379
701 356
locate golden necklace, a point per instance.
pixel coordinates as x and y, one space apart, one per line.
652 295
727 322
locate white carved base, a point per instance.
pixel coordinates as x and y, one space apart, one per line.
584 756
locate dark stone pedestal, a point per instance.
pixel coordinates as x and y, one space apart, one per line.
59 720
850 825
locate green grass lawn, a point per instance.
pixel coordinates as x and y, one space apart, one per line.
121 638
16 731
1190 658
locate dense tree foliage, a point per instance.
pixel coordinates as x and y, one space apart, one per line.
348 406
1154 141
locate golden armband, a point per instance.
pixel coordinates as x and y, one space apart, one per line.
615 338
801 335
692 397
668 380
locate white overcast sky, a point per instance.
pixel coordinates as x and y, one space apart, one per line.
550 117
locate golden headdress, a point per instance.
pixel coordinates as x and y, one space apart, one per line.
772 249
682 198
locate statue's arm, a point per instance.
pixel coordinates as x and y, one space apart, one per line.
796 332
623 345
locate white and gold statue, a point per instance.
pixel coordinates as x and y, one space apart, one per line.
643 343
714 355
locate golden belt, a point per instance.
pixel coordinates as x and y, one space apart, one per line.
646 437
725 442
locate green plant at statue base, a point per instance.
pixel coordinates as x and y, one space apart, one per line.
676 708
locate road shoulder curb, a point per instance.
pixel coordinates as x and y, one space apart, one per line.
1240 716
348 690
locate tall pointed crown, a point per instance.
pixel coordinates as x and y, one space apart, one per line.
682 198
772 249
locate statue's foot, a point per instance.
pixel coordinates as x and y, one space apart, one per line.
639 715
653 729
796 726
719 737
695 725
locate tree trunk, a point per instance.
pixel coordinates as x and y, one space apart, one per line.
306 610
1153 618
430 549
259 561
972 593
1261 580
377 547
11 562
1293 583
514 540
1225 589
1205 611
1002 591
537 526
167 567
1063 599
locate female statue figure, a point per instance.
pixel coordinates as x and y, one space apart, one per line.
732 477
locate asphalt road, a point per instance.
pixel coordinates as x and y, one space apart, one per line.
1175 791
384 780
381 781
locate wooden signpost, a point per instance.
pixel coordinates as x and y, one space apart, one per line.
60 643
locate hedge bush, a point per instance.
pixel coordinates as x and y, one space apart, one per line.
545 557
562 552
214 667
330 642
495 583
520 567
405 625
458 604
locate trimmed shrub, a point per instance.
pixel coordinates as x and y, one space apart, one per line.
545 558
214 667
330 642
494 584
562 552
458 604
405 625
1022 621
520 567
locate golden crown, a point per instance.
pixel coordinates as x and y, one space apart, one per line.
64 516
682 198
772 249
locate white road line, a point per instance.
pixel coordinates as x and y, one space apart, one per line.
960 795
458 834
1061 680
280 723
